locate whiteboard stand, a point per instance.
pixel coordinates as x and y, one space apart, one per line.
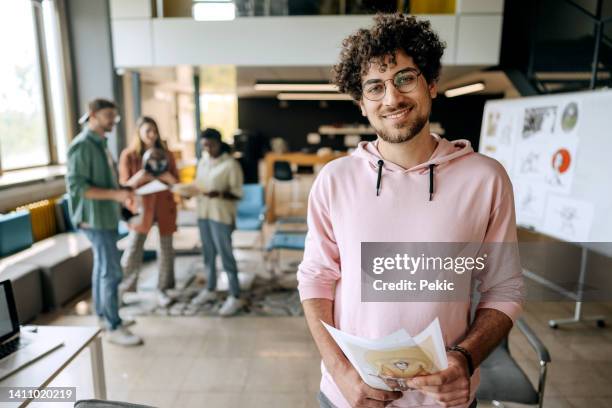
578 318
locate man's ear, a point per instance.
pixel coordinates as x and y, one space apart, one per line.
433 89
362 107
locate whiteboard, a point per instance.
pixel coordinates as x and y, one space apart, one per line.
557 150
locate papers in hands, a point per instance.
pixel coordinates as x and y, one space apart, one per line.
388 362
154 186
186 190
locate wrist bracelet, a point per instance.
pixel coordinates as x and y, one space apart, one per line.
466 354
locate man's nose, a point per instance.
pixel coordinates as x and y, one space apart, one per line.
392 95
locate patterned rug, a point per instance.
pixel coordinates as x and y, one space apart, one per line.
266 296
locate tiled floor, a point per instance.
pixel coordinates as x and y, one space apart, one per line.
272 362
196 362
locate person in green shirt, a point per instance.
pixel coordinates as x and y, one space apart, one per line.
94 202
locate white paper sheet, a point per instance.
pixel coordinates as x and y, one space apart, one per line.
154 186
568 219
395 357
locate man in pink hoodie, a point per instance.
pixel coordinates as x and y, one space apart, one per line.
407 186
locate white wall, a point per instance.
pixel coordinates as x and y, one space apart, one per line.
472 39
479 6
130 9
478 39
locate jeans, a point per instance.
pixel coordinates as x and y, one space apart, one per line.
106 274
324 402
217 239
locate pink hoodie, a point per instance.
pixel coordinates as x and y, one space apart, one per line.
471 201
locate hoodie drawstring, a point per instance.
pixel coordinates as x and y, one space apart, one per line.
431 180
380 166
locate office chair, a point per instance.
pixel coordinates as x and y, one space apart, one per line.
92 403
282 173
502 379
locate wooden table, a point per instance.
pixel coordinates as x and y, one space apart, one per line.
300 159
41 372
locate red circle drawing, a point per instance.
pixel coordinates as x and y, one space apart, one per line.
561 160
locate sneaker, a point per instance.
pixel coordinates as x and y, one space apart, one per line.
124 323
231 306
203 297
123 337
127 322
163 300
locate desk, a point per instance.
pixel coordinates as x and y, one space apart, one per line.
300 159
41 372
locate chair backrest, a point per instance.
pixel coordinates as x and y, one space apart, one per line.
282 171
252 201
63 203
107 404
15 232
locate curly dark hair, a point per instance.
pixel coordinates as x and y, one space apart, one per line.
390 33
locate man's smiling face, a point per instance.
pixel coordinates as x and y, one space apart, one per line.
397 117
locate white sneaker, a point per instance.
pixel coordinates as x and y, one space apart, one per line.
123 337
231 306
203 297
163 300
103 325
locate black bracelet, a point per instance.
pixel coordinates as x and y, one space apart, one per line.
467 355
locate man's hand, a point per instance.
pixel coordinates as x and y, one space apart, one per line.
450 387
167 178
358 393
139 178
123 195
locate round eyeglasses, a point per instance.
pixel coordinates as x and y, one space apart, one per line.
404 81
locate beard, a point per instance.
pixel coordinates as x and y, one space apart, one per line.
108 128
402 132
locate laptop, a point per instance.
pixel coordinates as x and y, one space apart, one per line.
18 349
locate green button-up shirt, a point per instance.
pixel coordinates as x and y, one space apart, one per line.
90 165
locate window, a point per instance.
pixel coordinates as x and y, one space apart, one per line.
57 82
218 100
23 131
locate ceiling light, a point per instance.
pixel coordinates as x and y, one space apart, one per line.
464 90
295 87
214 11
313 97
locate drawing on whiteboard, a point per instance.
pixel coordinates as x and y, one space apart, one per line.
490 150
492 121
569 118
560 163
539 121
529 163
568 215
528 201
506 135
567 218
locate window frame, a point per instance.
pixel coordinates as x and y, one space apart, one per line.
44 72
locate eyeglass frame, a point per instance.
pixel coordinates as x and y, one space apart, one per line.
418 74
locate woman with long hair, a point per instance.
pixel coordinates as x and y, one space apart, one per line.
158 207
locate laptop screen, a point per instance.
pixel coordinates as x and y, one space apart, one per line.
9 324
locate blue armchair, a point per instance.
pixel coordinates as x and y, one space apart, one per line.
251 208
